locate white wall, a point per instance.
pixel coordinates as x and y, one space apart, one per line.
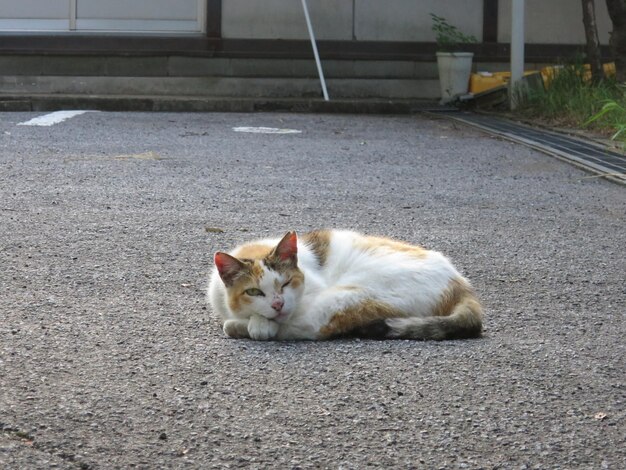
284 19
409 20
366 20
24 15
547 21
554 21
100 15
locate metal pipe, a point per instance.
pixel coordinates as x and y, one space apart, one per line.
314 45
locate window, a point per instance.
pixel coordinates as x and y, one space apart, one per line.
136 16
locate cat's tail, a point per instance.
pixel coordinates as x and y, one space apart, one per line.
464 320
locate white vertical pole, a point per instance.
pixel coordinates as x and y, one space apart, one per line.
72 15
314 45
517 48
202 6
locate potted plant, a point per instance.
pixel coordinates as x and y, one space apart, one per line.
454 64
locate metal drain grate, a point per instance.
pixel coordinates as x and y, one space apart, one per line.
585 154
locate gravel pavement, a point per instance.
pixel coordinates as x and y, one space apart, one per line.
110 358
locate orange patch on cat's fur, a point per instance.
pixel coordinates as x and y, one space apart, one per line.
254 272
236 298
456 291
297 278
319 243
373 244
350 318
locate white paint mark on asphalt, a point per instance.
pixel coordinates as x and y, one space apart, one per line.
52 118
266 130
140 156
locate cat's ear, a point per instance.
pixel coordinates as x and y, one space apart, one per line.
228 266
287 249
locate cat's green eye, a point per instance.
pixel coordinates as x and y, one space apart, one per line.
287 283
254 292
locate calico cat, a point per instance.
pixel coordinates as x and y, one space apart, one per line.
329 284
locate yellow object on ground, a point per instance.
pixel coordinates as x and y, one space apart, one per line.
548 73
483 81
609 70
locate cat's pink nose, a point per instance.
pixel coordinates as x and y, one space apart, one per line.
277 304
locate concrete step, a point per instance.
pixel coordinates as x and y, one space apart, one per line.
165 103
178 66
216 87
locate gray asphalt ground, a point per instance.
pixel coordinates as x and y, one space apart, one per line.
110 358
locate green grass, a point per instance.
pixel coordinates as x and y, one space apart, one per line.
570 101
615 113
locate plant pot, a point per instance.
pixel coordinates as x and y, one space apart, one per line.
455 69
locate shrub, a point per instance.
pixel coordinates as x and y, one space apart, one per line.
572 100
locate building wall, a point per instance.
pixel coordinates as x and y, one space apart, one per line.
547 22
283 19
557 22
406 20
34 15
364 20
180 16
553 22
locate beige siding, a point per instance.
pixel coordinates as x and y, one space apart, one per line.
409 20
41 9
137 9
37 15
547 21
284 19
553 22
98 15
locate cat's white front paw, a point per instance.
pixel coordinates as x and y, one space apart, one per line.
262 329
236 328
